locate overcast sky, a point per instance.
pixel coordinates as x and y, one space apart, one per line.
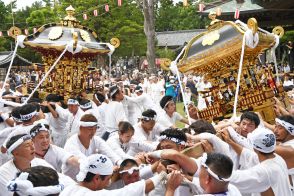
20 3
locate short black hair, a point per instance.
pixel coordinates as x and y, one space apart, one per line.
16 112
220 164
251 116
42 176
89 177
100 97
126 162
125 126
287 118
175 133
164 100
202 126
149 113
13 139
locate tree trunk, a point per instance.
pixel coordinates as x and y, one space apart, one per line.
149 29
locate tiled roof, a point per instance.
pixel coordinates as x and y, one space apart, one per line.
230 7
176 38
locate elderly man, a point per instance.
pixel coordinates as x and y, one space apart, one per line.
22 149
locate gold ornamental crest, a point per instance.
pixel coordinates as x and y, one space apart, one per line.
55 33
85 35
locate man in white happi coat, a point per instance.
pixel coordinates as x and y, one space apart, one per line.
139 103
169 116
90 107
265 172
74 115
86 143
115 112
211 173
146 133
51 153
95 175
203 86
57 117
22 149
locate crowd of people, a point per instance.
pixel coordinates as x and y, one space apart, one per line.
124 139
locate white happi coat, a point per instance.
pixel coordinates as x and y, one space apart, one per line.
75 147
56 156
271 173
58 125
134 189
8 172
73 122
115 113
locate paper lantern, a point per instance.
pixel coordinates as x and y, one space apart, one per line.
185 3
85 16
26 31
201 7
35 30
107 8
119 2
1 34
237 14
95 12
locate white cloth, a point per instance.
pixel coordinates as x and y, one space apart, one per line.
143 142
201 86
232 190
75 147
56 156
119 148
8 172
102 109
134 189
73 122
58 125
115 113
157 92
291 170
166 121
271 173
21 129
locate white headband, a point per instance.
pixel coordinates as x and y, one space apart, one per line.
18 143
130 171
86 105
28 116
24 187
95 164
88 124
214 175
288 126
176 140
114 91
72 102
17 119
37 130
139 90
146 118
167 103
